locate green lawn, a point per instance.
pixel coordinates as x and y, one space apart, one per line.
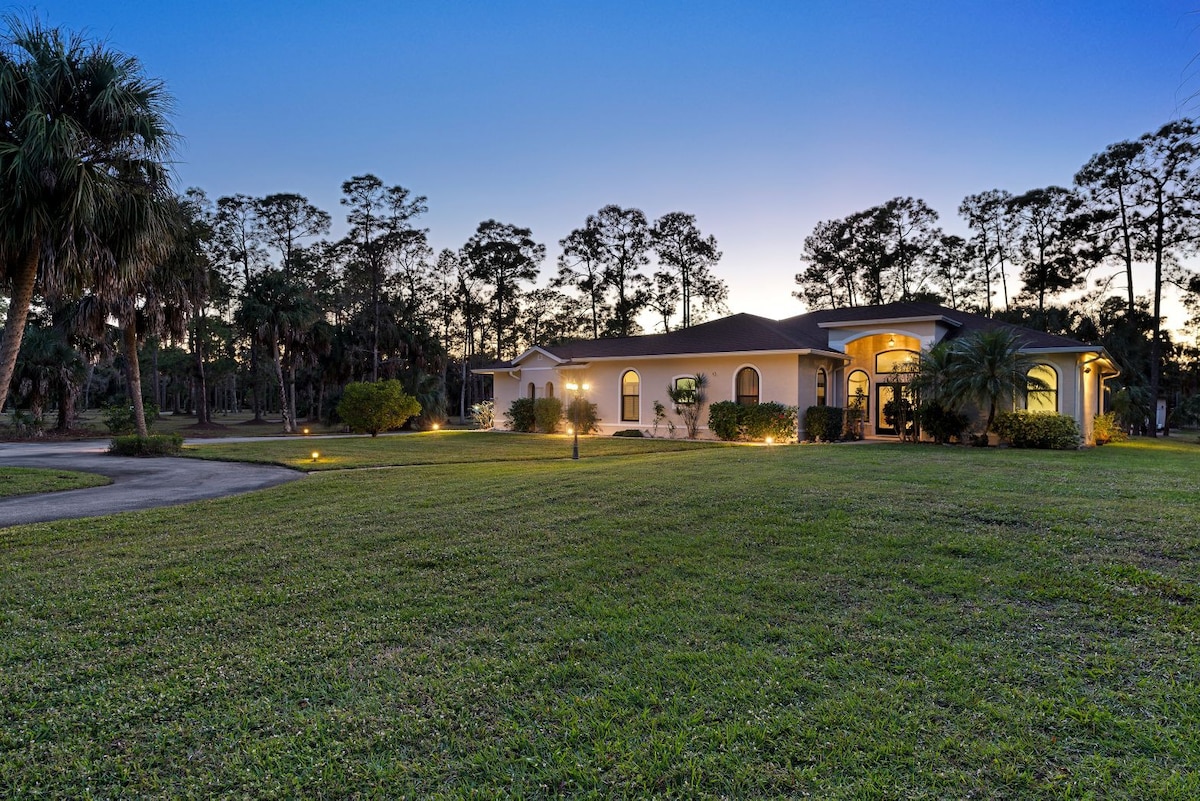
843 621
29 480
430 448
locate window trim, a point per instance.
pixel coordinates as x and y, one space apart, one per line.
637 398
1051 393
737 396
822 390
690 377
866 395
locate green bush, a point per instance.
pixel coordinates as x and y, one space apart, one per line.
547 414
373 407
119 420
1106 429
823 423
725 420
582 414
1026 429
484 415
520 416
629 432
770 419
153 445
941 422
753 422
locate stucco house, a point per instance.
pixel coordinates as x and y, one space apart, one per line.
820 358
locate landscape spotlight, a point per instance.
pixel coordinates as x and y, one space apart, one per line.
316 455
306 432
436 426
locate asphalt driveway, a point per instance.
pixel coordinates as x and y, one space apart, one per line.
137 483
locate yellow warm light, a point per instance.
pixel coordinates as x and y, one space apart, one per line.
306 432
570 430
770 440
436 426
316 455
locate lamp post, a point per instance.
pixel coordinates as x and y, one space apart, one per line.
578 389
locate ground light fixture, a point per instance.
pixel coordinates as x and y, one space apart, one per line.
436 426
578 389
306 432
316 455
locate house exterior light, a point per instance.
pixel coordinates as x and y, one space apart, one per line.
316 455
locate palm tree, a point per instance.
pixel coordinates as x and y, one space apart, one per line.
277 310
988 366
83 143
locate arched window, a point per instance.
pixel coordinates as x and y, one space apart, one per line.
549 389
532 390
822 387
630 388
858 393
747 386
1043 400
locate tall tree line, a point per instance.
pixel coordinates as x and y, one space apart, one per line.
1136 202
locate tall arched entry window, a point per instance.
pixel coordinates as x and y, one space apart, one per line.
532 390
630 396
747 386
1043 400
549 389
822 387
858 393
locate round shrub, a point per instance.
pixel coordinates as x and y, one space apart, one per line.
371 407
520 416
823 423
547 414
725 420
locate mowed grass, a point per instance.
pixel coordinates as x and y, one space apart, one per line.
29 480
847 622
431 447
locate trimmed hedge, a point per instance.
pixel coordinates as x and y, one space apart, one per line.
521 416
584 413
941 422
153 445
1026 429
754 422
633 433
547 414
824 423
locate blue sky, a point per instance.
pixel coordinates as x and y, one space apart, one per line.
761 118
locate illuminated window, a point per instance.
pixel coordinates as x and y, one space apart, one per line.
822 396
686 386
630 384
1043 400
902 361
747 386
858 393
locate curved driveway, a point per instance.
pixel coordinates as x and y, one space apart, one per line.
137 483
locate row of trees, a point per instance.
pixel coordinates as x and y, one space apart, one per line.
248 300
1135 203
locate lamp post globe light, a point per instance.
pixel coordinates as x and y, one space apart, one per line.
578 389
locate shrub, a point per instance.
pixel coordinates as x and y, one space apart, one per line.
853 423
774 420
1106 429
118 419
898 413
520 416
581 414
153 445
941 422
484 414
823 423
379 406
725 420
547 413
1026 429
629 432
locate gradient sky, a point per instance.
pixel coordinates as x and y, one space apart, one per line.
761 118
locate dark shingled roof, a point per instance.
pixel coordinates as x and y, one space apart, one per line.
809 324
749 332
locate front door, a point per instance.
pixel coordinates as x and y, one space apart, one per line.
883 394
